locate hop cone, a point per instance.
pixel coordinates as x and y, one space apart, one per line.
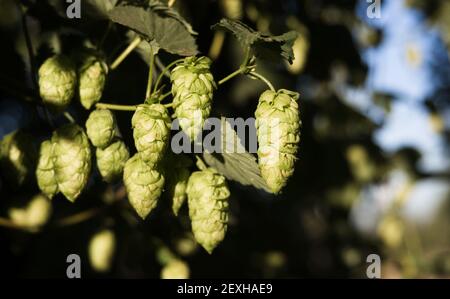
17 157
72 160
175 269
34 215
144 185
57 81
151 132
45 171
101 250
111 160
208 207
278 128
101 127
177 180
92 76
192 88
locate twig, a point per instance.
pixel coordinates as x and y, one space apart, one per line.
136 41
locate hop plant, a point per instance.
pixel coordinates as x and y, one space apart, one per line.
278 129
144 185
192 88
64 162
17 157
57 82
92 76
101 127
208 193
151 132
101 250
177 181
45 171
175 269
111 160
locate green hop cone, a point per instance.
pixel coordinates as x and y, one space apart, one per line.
151 132
278 128
72 160
144 185
208 207
57 82
45 171
17 157
192 87
175 269
101 127
111 160
177 180
92 76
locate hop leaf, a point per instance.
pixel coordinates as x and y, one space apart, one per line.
72 160
208 207
45 171
17 157
101 127
278 128
92 76
192 88
177 181
151 132
111 160
57 82
175 269
101 250
144 185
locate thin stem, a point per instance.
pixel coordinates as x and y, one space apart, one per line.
262 78
164 71
116 107
200 164
69 117
105 35
232 75
161 98
150 75
169 105
137 40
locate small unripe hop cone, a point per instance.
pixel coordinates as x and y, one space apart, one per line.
92 77
208 207
192 87
278 129
57 82
101 127
101 250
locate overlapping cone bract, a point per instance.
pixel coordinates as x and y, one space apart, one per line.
208 207
278 128
92 77
144 185
101 127
72 160
111 160
17 157
192 87
151 132
57 82
45 171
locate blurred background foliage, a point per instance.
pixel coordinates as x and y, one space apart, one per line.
373 170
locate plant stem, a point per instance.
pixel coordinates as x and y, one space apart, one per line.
169 105
216 44
161 98
233 74
69 117
262 78
137 40
105 35
164 71
150 75
116 107
200 164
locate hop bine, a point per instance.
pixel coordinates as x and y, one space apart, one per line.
151 132
65 162
208 194
92 76
57 82
144 185
101 127
192 88
278 128
111 160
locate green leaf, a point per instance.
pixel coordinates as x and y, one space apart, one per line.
263 45
237 165
162 28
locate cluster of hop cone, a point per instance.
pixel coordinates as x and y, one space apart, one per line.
64 162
